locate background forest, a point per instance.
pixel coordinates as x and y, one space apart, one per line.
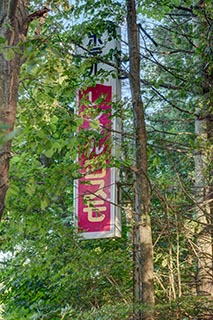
47 272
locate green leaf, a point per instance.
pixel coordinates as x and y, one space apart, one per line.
94 124
44 203
54 119
8 54
30 189
2 40
49 153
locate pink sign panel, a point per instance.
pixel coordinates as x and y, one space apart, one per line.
94 208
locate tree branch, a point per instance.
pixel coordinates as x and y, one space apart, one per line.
169 52
170 103
150 38
38 14
187 9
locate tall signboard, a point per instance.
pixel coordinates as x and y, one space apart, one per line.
96 197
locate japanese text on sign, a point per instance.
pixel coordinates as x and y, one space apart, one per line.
94 47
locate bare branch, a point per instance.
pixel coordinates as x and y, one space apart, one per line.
187 9
167 132
169 102
150 38
169 52
38 14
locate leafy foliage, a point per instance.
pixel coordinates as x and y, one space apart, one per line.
49 273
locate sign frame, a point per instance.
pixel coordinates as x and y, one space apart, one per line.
114 227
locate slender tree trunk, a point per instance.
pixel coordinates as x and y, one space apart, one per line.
204 203
204 153
203 190
142 233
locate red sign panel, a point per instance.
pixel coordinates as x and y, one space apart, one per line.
94 188
96 210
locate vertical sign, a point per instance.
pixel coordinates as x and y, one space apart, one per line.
96 206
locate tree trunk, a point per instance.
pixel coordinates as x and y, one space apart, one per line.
204 154
13 28
204 195
142 233
14 22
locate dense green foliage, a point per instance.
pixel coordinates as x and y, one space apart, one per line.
49 273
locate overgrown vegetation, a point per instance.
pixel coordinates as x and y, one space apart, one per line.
47 272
